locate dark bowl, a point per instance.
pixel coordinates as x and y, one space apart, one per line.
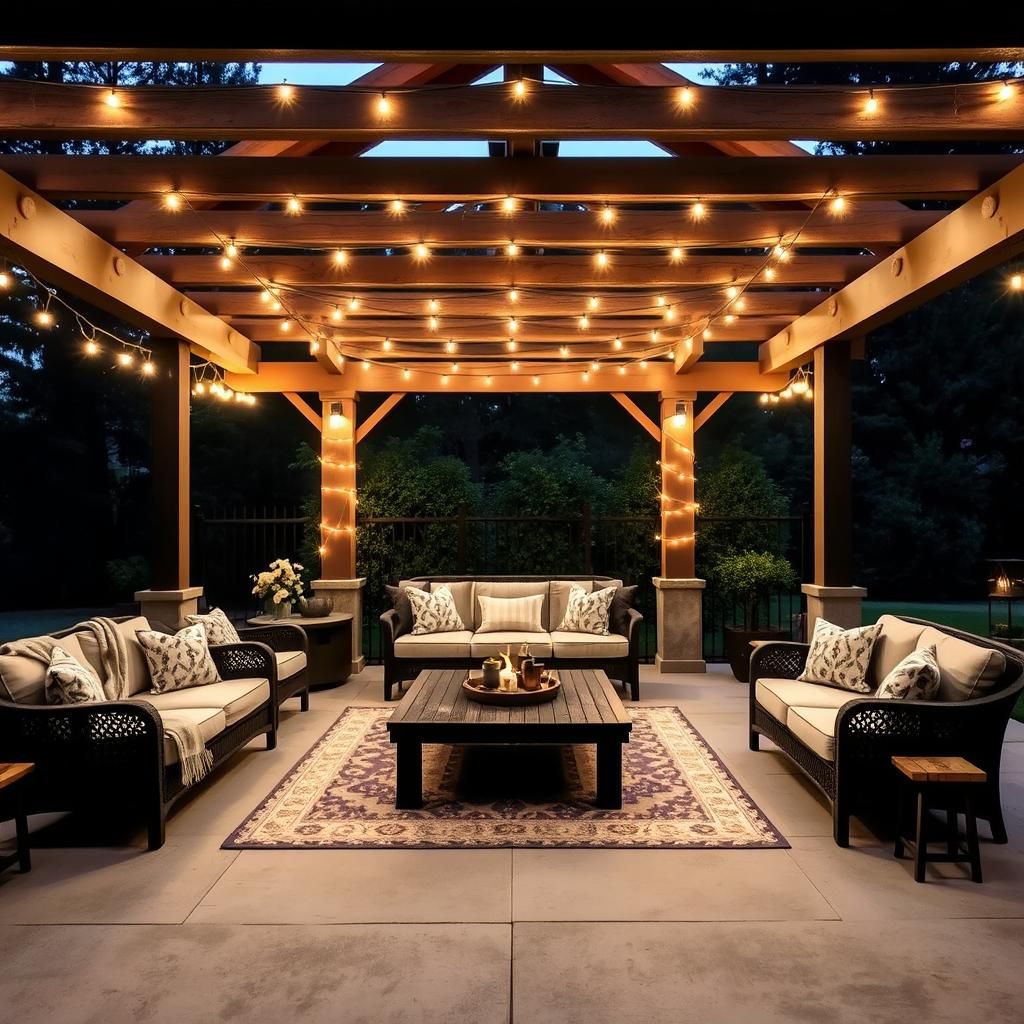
314 608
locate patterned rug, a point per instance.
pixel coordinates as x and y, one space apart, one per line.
677 794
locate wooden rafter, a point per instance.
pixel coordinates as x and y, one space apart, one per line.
638 414
710 409
597 179
151 225
979 235
377 415
68 255
303 406
33 109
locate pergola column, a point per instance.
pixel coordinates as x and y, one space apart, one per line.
832 595
679 592
338 581
170 597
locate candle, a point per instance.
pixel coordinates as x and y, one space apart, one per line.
508 679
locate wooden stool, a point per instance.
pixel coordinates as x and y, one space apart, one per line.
11 776
951 780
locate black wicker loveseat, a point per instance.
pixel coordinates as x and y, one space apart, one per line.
617 654
113 757
845 747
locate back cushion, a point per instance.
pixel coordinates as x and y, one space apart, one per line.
22 680
510 590
559 598
462 595
419 584
966 670
894 643
138 670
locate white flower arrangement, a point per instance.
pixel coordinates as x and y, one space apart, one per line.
281 582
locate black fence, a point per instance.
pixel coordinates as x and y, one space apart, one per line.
231 544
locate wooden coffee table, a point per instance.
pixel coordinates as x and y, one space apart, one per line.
435 710
12 779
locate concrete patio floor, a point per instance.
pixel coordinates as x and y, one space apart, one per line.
814 933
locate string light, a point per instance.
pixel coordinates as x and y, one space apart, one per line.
112 99
655 335
5 280
92 347
685 97
172 202
585 375
732 291
536 381
293 205
336 313
1017 282
286 326
420 252
584 322
607 215
148 368
508 204
353 304
433 306
519 89
455 367
432 323
513 325
670 312
594 302
769 273
365 365
1005 92
595 366
660 300
677 254
340 257
513 295
601 259
383 105
231 250
871 104
286 92
643 364
838 205
488 381
406 374
511 249
386 345
698 211
730 318
511 345
451 346
622 371
514 366
564 351
396 207
125 359
444 378
314 346
225 262
44 318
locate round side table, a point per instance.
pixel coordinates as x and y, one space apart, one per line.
330 645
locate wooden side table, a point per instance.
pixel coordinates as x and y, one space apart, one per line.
330 646
12 777
949 780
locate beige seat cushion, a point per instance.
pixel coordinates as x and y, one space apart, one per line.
508 590
138 668
211 721
894 643
966 670
777 696
289 662
588 645
486 644
815 728
454 644
235 697
22 680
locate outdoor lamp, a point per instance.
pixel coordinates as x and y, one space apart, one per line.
680 417
336 419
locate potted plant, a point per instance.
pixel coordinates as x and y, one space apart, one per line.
278 587
749 578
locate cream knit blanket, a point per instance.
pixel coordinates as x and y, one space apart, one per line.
193 756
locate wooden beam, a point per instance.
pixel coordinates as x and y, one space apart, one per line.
300 403
151 225
597 179
678 511
690 349
710 409
67 255
833 515
426 378
624 271
377 415
979 235
638 414
45 110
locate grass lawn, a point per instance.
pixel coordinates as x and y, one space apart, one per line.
971 616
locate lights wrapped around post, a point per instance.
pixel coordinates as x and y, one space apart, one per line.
338 489
678 507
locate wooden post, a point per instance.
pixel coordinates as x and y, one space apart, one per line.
338 489
169 467
677 494
833 517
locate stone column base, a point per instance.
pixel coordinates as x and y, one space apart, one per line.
680 625
169 606
838 605
347 596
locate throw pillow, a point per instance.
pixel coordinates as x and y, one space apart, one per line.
505 614
840 657
916 677
219 629
618 613
433 612
400 602
68 681
179 661
587 613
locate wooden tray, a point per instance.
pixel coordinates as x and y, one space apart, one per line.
514 698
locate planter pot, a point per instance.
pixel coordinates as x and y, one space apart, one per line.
738 649
278 611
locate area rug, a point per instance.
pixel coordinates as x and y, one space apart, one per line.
677 794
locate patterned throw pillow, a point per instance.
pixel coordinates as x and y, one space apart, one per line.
916 677
219 629
433 612
179 661
511 614
840 657
587 613
68 681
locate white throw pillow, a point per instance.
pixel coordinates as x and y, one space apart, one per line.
434 611
179 661
219 629
840 657
505 614
916 677
587 613
68 681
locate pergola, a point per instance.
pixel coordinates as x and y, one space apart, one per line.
521 271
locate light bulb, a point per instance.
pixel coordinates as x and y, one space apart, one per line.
655 335
1005 92
607 215
336 313
420 252
643 364
286 326
584 322
112 99
595 366
314 347
676 255
670 312
838 205
148 368
660 300
488 381
585 375
265 295
286 92
764 398
730 318
231 249
455 367
511 345
340 257
199 389
293 205
774 399
125 359
786 392
564 351
617 344
519 89
514 366
335 421
698 210
601 259
444 378
1017 282
452 347
383 105
433 306
769 273
685 96
225 262
799 385
276 306
707 333
513 295
741 303
871 104
511 249
250 399
594 302
508 204
406 374
809 393
513 325
92 347
5 280
353 303
732 291
396 207
44 318
172 201
432 323
386 345
536 381
365 365
622 371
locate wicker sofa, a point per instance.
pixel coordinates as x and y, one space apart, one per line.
114 755
844 742
406 654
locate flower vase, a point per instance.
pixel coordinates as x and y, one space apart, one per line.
278 610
